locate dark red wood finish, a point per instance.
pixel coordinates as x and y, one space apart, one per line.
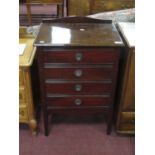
71 84
87 56
85 101
78 88
86 74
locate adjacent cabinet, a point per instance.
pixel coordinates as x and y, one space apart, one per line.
126 113
26 100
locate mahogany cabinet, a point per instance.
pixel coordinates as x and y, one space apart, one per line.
126 112
87 7
78 61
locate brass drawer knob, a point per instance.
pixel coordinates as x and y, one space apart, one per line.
78 101
78 56
78 73
78 87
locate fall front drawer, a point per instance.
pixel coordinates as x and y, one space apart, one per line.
79 73
81 57
56 87
79 100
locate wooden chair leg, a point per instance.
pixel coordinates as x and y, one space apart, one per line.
28 6
58 11
62 10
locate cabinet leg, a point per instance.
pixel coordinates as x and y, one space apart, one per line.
33 126
109 122
46 123
109 127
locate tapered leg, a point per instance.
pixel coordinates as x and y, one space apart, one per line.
109 127
109 122
45 122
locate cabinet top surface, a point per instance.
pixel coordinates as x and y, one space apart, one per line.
128 31
27 56
78 34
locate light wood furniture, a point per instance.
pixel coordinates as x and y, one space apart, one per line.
58 3
78 63
87 7
126 113
26 101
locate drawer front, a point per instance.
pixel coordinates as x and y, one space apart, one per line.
110 5
79 73
78 101
21 78
23 113
78 88
127 121
109 55
22 95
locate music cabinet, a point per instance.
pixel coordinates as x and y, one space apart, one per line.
78 61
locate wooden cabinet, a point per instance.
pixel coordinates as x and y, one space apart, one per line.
126 113
87 7
26 100
78 71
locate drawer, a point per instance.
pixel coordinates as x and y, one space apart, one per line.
21 78
23 113
109 55
78 88
76 101
22 95
79 73
127 121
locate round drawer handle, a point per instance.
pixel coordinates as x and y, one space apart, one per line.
78 56
78 73
78 87
78 101
133 121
